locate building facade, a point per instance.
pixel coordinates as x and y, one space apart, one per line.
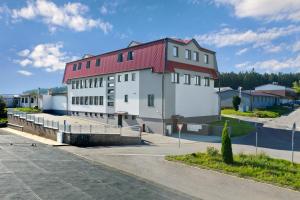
145 84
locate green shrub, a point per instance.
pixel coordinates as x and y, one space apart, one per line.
3 110
226 149
236 101
212 151
266 114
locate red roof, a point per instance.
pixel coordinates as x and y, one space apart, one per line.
146 55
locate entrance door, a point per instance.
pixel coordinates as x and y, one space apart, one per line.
120 120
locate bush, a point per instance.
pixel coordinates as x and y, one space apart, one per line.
226 146
266 114
212 151
236 101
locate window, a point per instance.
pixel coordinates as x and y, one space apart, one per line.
77 100
120 57
79 66
126 77
111 97
126 98
111 104
188 54
26 100
205 58
77 84
100 100
86 114
150 100
98 62
91 102
110 78
125 116
85 83
22 100
207 79
197 80
111 116
95 82
101 82
91 83
119 78
73 100
74 67
133 117
73 84
91 114
187 79
86 100
195 56
175 51
81 100
101 114
32 100
133 76
88 64
110 84
110 91
81 84
96 100
130 55
175 77
96 115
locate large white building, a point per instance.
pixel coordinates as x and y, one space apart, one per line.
146 84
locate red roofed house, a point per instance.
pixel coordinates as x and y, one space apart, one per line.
145 84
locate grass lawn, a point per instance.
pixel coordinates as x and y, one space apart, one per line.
237 128
261 168
28 110
271 112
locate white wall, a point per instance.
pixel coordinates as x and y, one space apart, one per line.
130 88
194 100
55 102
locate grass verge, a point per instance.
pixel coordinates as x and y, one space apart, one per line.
238 128
271 112
260 168
28 110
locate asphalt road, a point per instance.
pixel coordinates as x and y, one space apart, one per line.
272 138
44 172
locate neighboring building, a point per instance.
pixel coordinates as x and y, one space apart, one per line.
251 99
286 94
11 100
55 102
145 84
30 100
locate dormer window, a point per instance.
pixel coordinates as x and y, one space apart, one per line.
175 51
98 62
88 64
130 55
74 67
188 54
206 59
120 57
195 56
79 66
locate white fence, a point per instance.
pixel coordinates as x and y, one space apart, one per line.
134 131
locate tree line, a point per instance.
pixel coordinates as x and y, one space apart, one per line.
251 79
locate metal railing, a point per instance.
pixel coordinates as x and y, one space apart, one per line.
99 128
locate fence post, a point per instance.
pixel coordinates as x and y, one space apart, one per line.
70 128
256 138
293 135
90 129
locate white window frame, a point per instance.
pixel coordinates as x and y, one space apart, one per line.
175 51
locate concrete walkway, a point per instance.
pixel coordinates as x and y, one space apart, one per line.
148 162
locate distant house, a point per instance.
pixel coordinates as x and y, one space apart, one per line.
11 100
250 100
285 94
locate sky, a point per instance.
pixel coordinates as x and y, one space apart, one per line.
37 37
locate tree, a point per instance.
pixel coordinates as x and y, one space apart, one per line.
296 86
226 149
3 111
236 101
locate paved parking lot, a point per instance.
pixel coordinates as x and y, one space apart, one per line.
44 172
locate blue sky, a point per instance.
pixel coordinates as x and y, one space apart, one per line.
38 36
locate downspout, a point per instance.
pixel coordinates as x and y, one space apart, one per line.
163 87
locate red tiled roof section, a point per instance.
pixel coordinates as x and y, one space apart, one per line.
181 40
171 65
150 55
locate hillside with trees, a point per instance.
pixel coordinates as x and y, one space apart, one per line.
251 79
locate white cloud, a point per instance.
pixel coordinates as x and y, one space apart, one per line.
296 46
70 15
103 10
265 9
25 73
47 56
233 37
273 65
270 48
242 51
